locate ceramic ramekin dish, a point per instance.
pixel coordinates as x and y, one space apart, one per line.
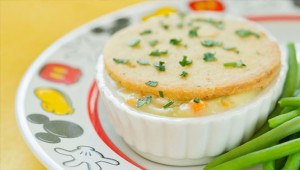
189 141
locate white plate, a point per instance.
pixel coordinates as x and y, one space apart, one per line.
57 105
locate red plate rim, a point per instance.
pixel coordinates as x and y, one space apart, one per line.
93 98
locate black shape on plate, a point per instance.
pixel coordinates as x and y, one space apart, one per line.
297 3
37 118
55 129
47 137
98 30
118 25
63 129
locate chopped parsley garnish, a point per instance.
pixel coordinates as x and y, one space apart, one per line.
153 43
145 100
164 52
246 33
180 25
120 61
164 26
181 15
184 62
160 66
168 104
152 83
184 74
142 62
193 32
196 100
175 41
229 48
213 22
134 42
157 53
235 64
145 32
211 43
209 57
161 94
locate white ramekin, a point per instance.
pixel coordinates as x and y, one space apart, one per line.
189 141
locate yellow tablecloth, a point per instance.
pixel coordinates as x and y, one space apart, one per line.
27 28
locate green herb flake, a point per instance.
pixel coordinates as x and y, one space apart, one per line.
193 32
235 64
157 53
230 48
120 61
246 33
153 43
181 15
180 25
213 22
184 62
152 83
209 57
211 43
148 99
142 62
184 74
168 104
134 42
196 100
145 32
143 101
175 41
164 26
161 94
160 66
164 52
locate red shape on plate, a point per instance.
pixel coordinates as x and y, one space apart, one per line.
206 5
60 73
94 117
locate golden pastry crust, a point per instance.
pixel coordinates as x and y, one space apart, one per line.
205 80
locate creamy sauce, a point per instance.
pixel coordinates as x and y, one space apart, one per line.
181 108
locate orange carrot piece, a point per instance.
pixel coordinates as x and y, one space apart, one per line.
226 103
131 102
196 107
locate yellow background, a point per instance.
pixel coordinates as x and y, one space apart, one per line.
27 28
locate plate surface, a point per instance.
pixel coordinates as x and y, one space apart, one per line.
58 110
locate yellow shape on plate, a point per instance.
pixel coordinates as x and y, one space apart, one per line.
54 101
160 12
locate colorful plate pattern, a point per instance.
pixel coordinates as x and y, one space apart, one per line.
58 110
